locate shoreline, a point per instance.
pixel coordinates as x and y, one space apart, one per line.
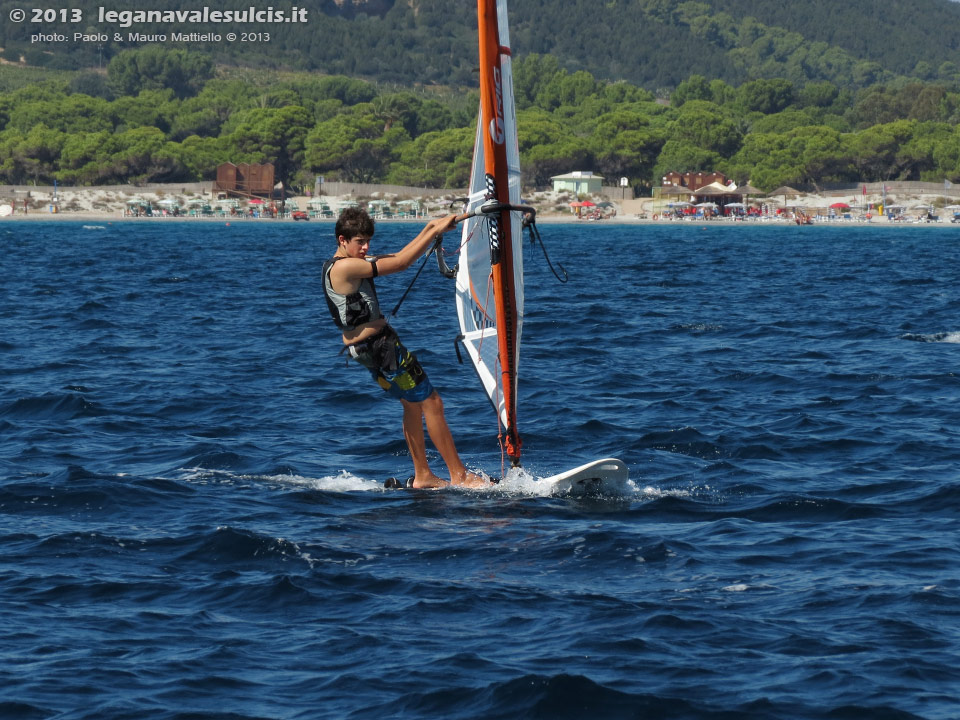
106 205
546 219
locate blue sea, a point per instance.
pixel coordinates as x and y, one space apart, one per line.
193 522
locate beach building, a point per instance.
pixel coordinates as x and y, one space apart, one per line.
579 182
245 179
692 181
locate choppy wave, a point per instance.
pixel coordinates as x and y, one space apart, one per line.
939 337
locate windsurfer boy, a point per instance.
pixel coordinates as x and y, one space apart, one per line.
352 301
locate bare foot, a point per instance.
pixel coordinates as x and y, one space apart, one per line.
469 479
429 481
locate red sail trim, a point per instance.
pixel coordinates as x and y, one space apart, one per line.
495 159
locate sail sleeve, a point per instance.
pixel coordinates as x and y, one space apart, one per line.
490 279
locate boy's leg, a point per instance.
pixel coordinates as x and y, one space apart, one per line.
413 433
442 439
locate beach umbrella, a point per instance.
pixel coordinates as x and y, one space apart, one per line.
673 190
409 206
745 191
587 203
707 205
784 190
840 206
255 201
714 189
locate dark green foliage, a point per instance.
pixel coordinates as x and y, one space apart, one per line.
91 83
154 67
655 44
895 35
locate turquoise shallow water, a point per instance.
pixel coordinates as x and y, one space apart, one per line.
192 523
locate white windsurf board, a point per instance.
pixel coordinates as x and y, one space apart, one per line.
600 477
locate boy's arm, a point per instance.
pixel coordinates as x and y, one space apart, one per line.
356 269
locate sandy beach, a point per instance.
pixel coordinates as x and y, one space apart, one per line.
175 202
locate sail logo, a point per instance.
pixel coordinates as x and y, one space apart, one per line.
493 225
497 131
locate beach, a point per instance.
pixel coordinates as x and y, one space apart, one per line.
202 203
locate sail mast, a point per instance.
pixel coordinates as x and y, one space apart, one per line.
494 54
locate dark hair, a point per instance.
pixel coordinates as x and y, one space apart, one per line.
354 221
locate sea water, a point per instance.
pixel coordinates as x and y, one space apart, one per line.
193 523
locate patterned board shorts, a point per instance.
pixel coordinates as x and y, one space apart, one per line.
395 368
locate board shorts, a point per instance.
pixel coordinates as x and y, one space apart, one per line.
395 368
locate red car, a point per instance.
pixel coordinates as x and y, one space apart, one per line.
299 215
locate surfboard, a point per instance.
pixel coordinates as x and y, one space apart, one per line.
601 478
608 477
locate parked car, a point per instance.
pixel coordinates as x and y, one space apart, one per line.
299 215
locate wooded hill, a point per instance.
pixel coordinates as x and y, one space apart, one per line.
164 115
710 88
654 44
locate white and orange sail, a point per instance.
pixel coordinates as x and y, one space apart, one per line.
490 277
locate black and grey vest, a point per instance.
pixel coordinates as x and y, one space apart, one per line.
351 311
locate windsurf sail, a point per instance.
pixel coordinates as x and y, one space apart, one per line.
489 292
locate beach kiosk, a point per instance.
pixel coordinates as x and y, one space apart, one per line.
579 182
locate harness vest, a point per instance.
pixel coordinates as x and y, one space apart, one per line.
351 311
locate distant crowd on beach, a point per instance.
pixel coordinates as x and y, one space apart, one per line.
924 206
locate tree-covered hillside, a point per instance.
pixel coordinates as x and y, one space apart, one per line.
896 35
162 115
771 93
654 44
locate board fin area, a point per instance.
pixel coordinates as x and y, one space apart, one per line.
606 477
394 484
